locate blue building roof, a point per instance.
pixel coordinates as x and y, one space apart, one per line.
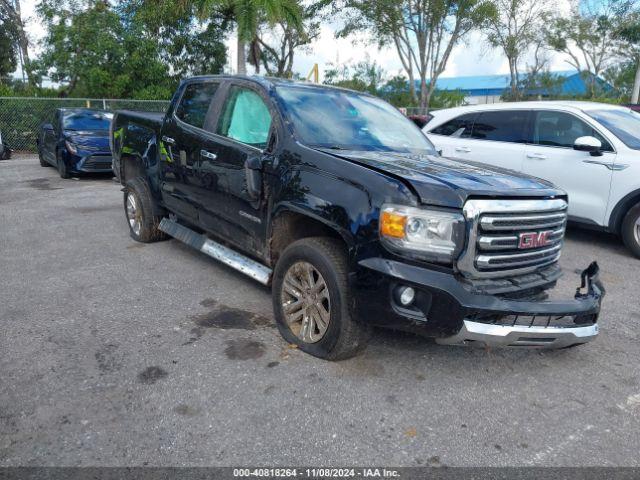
484 85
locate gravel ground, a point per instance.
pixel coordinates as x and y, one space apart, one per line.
116 353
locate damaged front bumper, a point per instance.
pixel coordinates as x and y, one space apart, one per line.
445 309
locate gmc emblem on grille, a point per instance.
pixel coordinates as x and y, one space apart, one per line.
534 240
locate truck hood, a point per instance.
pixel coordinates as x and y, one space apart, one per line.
446 182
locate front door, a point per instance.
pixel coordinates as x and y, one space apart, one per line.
242 132
552 157
180 141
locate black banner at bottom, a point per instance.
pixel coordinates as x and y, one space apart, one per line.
402 473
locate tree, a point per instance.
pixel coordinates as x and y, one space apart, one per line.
187 44
364 76
629 33
274 46
8 53
12 10
93 53
588 36
248 13
514 30
423 32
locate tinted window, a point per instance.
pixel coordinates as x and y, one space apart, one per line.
340 119
245 118
458 127
501 126
560 129
195 103
625 124
86 120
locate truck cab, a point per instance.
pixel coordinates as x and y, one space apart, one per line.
344 208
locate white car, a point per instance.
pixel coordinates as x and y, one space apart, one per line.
591 150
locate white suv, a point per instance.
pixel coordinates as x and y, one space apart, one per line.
591 150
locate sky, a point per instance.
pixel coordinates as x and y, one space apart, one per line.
474 57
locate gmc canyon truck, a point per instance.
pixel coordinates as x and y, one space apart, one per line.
344 208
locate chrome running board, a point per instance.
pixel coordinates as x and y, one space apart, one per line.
223 254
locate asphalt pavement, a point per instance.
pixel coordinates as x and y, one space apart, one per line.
117 353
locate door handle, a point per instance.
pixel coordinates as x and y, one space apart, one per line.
463 149
168 140
537 156
209 155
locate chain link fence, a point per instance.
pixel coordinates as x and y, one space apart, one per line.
21 117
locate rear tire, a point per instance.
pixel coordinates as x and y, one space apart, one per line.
314 315
631 230
138 207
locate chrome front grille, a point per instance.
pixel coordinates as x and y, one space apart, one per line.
495 230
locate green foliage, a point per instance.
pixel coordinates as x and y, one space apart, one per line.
249 13
365 76
446 99
275 45
94 50
396 91
423 33
8 50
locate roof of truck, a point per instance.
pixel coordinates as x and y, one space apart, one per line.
269 82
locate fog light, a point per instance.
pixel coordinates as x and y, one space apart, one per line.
406 295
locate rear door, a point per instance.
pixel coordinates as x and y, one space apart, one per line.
585 178
494 137
449 137
180 148
243 130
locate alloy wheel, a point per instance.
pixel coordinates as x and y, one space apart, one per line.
306 302
134 214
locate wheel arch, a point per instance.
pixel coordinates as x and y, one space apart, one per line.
290 223
620 210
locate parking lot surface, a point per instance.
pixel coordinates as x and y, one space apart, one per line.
117 353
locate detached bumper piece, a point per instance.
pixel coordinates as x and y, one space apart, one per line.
447 308
520 336
541 331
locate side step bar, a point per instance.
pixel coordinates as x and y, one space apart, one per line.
229 257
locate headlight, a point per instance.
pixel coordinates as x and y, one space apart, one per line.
434 235
71 147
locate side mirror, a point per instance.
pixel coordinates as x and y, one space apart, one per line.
47 126
253 173
588 144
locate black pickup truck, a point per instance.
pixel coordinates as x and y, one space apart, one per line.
340 204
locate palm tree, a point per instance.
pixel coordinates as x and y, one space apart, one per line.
248 13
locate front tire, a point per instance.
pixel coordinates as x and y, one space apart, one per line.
311 300
138 207
62 166
631 230
43 162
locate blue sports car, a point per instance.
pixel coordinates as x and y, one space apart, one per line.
76 142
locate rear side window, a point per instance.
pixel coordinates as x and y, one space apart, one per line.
195 103
245 118
501 126
458 127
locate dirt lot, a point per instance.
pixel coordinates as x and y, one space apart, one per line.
117 353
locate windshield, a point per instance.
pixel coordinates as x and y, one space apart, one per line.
86 120
343 120
624 124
